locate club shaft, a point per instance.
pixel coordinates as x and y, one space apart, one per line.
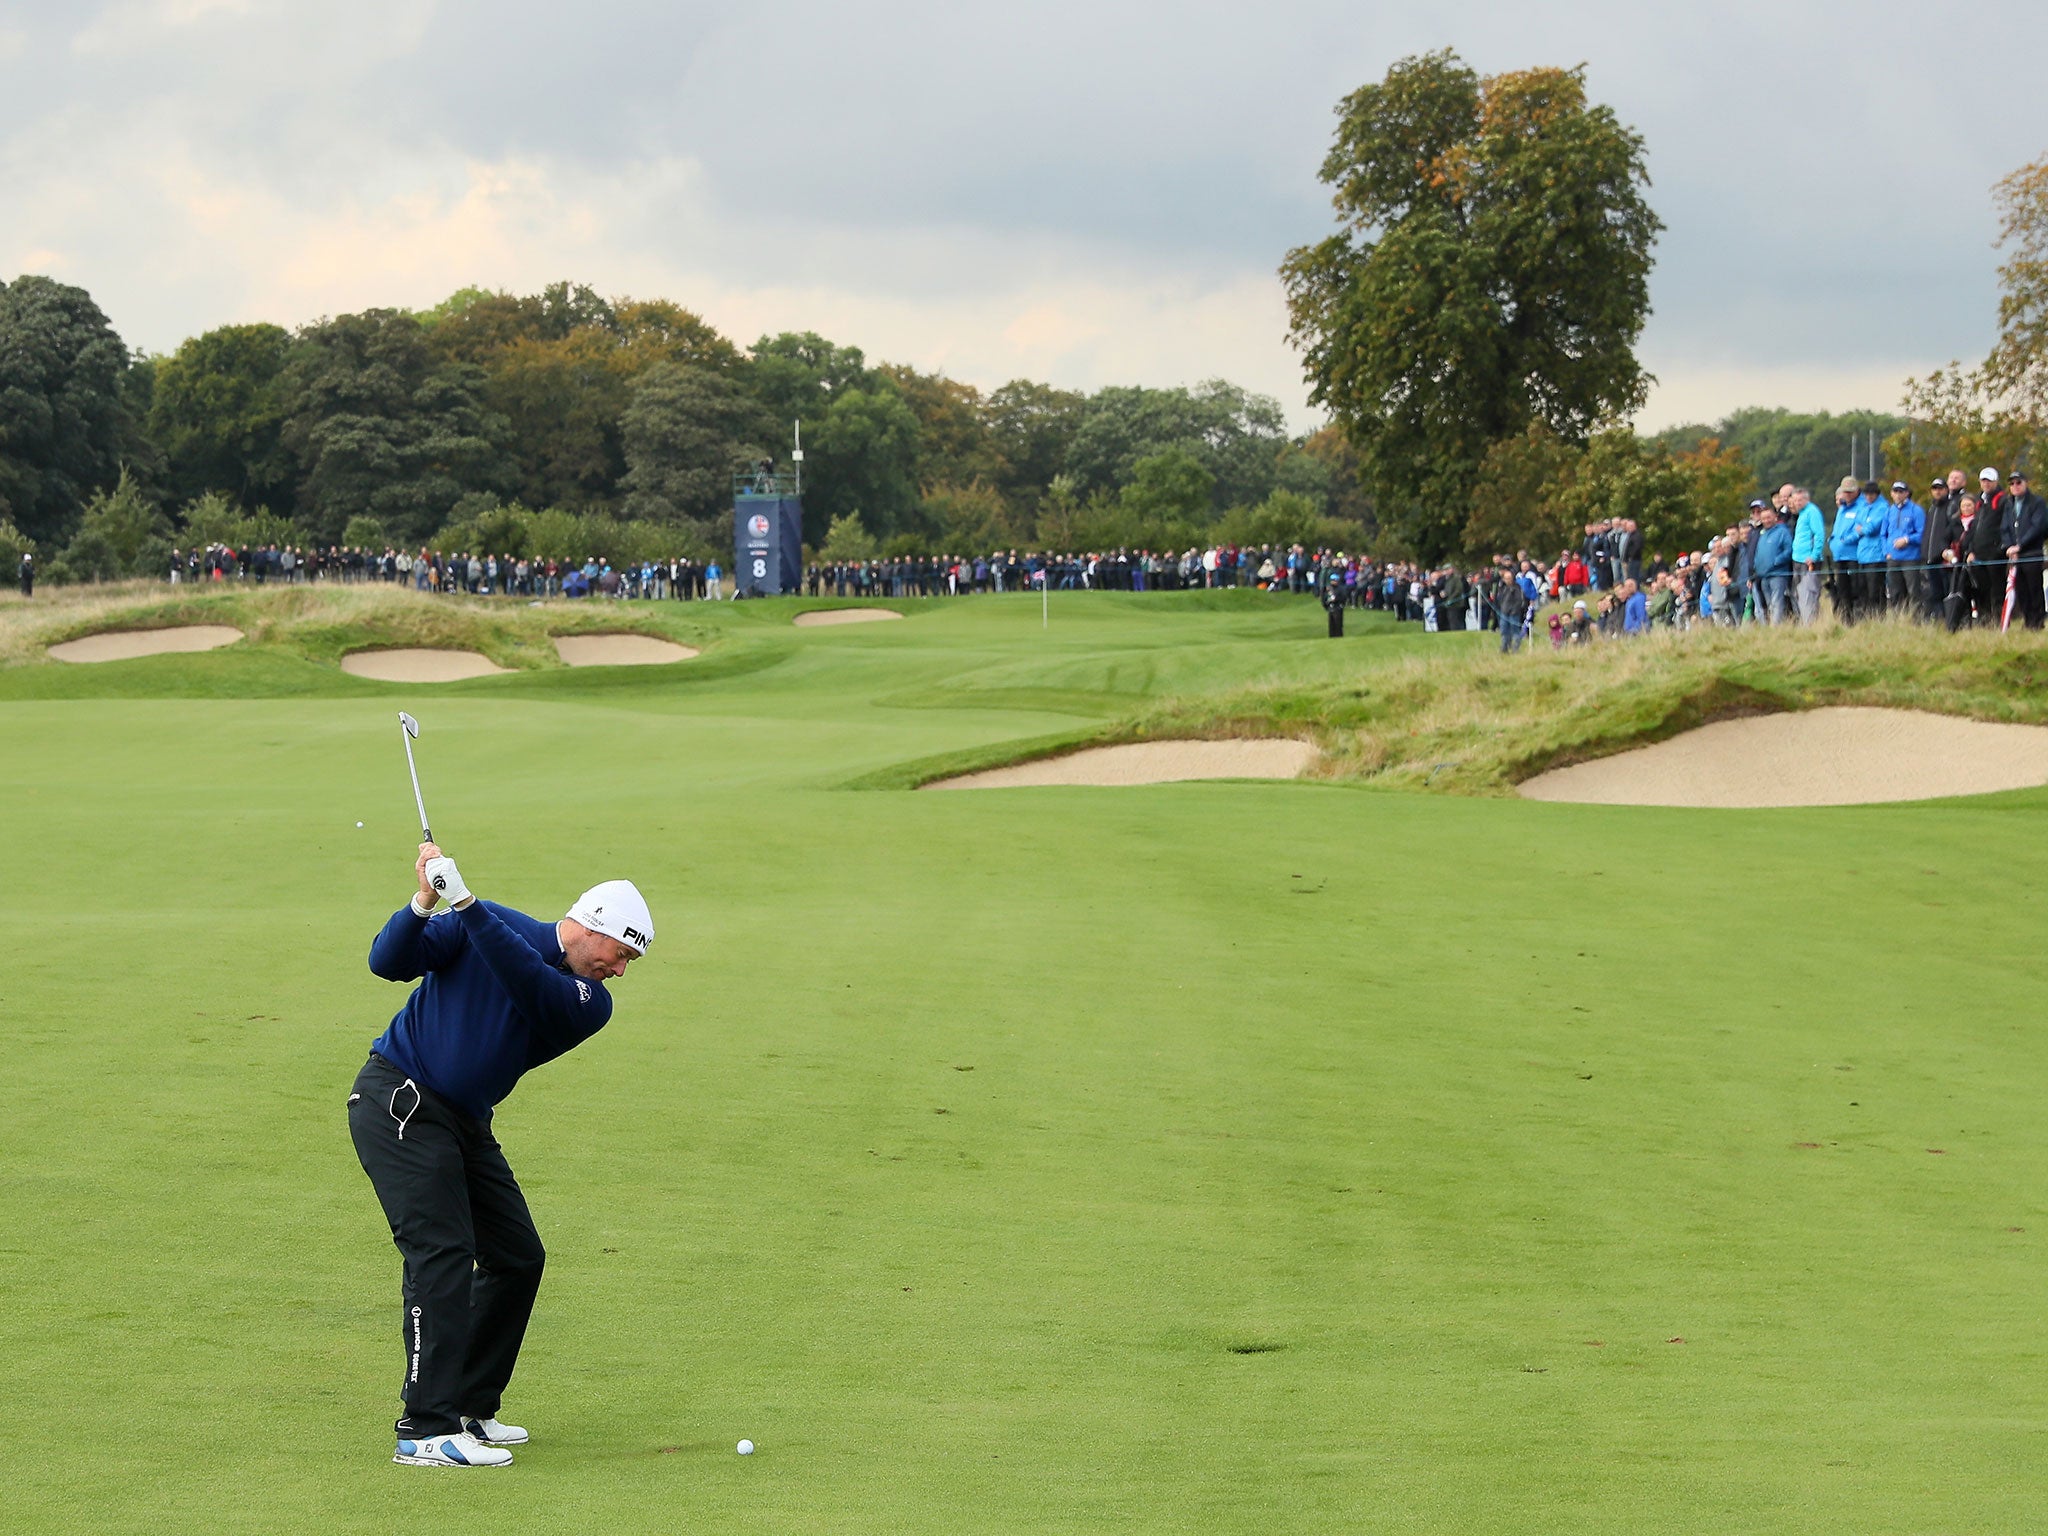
426 834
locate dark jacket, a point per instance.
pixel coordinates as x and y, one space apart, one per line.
494 1001
1940 531
2025 524
1983 539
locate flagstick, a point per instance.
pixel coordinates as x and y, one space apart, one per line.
1044 601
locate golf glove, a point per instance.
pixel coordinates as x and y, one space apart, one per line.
444 877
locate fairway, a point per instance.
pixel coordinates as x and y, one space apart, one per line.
1216 1157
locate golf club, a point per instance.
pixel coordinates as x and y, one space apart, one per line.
411 728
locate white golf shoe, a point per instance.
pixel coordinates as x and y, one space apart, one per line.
463 1450
491 1432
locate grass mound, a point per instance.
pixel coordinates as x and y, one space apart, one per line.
323 623
1476 722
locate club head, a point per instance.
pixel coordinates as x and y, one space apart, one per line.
412 726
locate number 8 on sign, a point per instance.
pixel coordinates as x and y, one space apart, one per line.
760 569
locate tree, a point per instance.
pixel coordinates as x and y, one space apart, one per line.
1170 491
797 375
1514 500
1237 436
654 331
846 539
1490 269
216 414
685 433
1678 502
2017 369
379 426
121 533
66 427
955 446
1790 447
1030 428
564 399
217 519
968 517
1997 412
864 459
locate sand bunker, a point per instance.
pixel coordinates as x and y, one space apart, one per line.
1818 757
418 666
619 650
844 616
1149 762
127 644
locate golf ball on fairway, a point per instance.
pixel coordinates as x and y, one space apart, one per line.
359 823
746 1447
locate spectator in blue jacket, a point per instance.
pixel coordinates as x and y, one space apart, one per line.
1904 525
1809 549
1773 565
1635 609
1842 549
1873 549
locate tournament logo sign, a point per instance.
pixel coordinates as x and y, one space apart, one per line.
757 525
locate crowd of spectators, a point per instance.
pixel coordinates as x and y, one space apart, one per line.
433 571
1965 557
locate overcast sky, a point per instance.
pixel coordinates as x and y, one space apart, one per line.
1087 193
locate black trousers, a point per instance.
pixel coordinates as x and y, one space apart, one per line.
2029 607
472 1258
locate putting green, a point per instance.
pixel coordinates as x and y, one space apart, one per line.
1241 1157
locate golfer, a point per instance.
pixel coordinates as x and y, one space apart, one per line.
502 993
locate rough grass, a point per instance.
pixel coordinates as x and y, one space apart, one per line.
325 622
1476 722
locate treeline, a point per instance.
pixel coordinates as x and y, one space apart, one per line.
563 424
497 420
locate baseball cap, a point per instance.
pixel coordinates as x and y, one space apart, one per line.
1850 484
1987 473
616 909
1758 505
1900 485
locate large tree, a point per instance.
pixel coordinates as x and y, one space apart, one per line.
1030 427
66 426
1236 436
797 374
1490 269
685 432
864 460
380 427
216 413
2018 366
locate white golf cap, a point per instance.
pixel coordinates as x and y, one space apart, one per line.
617 909
1987 473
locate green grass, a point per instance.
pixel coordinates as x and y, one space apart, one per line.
1220 1158
1467 720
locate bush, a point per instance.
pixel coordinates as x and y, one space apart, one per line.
214 519
488 526
13 545
121 534
847 539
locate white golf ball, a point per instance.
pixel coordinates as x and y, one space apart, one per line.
746 1447
359 823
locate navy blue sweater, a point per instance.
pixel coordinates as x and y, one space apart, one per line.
495 1002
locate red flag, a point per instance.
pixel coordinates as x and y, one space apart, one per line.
2012 593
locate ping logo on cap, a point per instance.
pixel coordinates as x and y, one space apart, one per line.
635 937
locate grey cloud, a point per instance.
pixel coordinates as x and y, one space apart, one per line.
1824 170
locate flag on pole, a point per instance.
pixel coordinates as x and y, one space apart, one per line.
2012 593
